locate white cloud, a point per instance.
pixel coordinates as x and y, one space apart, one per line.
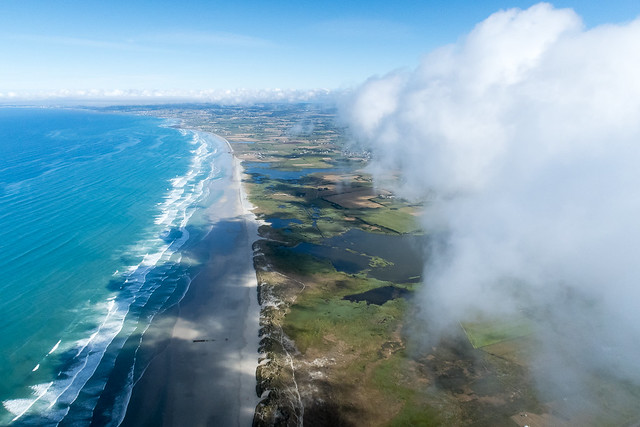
161 42
529 131
219 96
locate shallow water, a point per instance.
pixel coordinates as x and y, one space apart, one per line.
353 252
259 171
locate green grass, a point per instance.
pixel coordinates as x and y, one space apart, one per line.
268 204
378 262
399 220
320 310
392 378
315 162
290 262
415 414
359 325
484 333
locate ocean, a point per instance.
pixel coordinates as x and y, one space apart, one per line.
97 211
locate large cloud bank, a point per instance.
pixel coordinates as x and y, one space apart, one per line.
525 137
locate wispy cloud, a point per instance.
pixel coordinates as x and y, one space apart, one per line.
161 42
222 39
84 42
364 29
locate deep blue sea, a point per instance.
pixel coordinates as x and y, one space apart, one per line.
96 210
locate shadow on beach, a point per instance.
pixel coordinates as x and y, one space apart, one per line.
190 364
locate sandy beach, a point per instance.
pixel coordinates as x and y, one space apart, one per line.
207 346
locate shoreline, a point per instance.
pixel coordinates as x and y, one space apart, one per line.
250 354
207 346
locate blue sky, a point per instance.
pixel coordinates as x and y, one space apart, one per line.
195 44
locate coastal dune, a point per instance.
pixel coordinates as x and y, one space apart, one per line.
204 369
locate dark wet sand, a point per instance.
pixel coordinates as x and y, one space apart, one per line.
204 373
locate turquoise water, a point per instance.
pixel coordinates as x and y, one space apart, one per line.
94 212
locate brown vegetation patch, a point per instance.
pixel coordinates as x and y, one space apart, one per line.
241 137
249 157
335 178
355 199
488 390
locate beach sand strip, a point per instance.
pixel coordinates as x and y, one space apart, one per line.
204 372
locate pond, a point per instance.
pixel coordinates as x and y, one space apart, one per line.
378 296
388 257
259 171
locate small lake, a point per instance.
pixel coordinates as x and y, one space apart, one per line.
351 253
378 296
259 171
282 222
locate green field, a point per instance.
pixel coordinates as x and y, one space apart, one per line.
488 332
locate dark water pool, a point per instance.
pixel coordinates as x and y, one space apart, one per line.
282 222
354 251
378 296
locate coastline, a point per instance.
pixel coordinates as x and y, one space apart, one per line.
332 305
340 264
206 347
